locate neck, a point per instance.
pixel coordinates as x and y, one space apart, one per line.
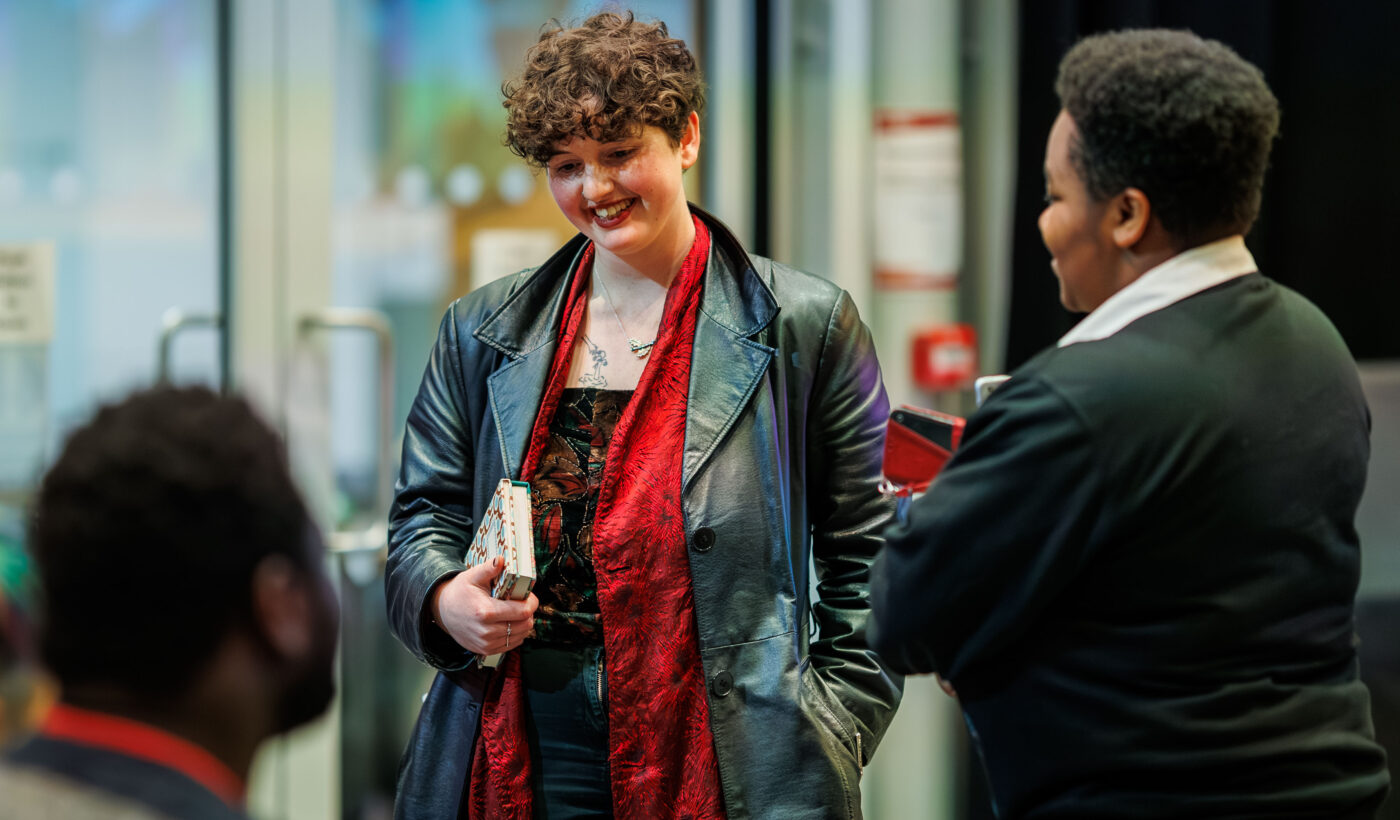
210 713
1152 249
655 265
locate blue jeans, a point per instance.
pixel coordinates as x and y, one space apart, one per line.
566 721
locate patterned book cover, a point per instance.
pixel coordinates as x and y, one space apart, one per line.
519 575
506 531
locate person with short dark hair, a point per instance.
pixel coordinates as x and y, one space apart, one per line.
1138 572
185 612
701 429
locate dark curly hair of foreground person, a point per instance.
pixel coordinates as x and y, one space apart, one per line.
1184 119
645 76
143 529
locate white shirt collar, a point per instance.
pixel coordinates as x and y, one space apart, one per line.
1183 275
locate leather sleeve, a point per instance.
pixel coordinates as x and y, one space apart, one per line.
431 520
845 442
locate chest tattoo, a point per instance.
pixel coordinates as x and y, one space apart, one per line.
600 361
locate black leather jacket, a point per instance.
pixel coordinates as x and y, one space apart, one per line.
784 432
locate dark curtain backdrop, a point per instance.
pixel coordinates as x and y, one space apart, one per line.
1330 219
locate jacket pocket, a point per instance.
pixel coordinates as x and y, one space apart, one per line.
780 755
433 772
832 715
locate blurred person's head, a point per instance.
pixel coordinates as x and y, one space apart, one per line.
611 110
179 570
1162 136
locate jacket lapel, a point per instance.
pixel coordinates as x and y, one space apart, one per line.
727 364
525 329
515 391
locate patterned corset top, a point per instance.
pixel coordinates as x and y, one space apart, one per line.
564 498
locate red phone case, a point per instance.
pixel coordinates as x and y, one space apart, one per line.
918 443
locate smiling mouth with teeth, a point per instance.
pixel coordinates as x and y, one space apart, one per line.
613 210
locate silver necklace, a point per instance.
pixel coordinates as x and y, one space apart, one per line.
639 348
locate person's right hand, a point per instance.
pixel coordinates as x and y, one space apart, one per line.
464 608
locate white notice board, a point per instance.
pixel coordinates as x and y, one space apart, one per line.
26 293
498 252
918 199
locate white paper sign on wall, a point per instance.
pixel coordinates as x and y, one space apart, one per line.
26 293
918 199
498 252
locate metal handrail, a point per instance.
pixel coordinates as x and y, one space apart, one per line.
374 321
173 321
361 551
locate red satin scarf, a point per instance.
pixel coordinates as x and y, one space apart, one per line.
660 750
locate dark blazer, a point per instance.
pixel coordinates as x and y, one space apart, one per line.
49 777
784 430
1138 572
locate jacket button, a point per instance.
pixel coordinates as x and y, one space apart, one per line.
704 539
722 684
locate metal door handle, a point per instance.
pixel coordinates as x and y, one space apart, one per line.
356 545
172 322
360 550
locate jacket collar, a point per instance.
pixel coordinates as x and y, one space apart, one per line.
735 296
735 306
528 319
1186 274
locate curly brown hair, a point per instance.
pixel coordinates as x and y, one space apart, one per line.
606 79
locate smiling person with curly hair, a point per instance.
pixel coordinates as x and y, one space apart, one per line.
699 427
1138 571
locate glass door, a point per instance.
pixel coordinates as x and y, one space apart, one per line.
109 195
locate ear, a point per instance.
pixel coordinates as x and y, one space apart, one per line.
282 607
690 141
1130 212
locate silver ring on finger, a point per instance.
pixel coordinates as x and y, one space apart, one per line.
507 636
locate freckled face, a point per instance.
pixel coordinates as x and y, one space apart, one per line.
627 195
1076 229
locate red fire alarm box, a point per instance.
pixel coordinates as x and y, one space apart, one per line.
945 357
